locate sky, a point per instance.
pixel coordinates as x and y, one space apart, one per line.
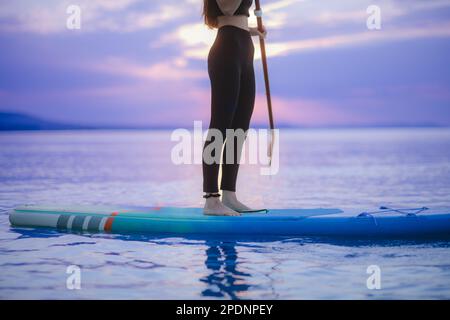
143 62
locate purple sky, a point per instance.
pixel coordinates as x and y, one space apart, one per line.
143 62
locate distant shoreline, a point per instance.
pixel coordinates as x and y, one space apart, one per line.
190 129
10 121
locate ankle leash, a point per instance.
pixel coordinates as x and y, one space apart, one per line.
209 195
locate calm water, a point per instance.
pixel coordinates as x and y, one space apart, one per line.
361 168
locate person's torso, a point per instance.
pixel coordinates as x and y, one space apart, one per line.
243 9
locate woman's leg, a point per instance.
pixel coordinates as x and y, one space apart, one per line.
224 72
241 120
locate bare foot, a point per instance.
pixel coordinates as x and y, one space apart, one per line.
214 207
229 199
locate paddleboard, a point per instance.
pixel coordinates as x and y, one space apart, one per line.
382 222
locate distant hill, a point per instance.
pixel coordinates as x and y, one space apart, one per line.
18 121
10 121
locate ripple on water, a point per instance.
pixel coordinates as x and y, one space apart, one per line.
319 168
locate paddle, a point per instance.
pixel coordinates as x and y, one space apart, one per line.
258 14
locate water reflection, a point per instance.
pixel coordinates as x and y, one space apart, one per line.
222 274
224 280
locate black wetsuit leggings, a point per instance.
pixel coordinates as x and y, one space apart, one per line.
232 77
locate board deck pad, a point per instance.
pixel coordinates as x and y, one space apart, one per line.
283 222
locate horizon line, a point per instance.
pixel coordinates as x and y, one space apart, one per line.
25 122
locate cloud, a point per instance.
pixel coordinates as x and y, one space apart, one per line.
189 35
166 70
196 40
300 111
334 13
347 40
49 17
174 86
144 102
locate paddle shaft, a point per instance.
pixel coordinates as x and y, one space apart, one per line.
264 63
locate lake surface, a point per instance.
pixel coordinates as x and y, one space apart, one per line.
344 168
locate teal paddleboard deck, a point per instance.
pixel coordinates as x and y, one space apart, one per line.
383 222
